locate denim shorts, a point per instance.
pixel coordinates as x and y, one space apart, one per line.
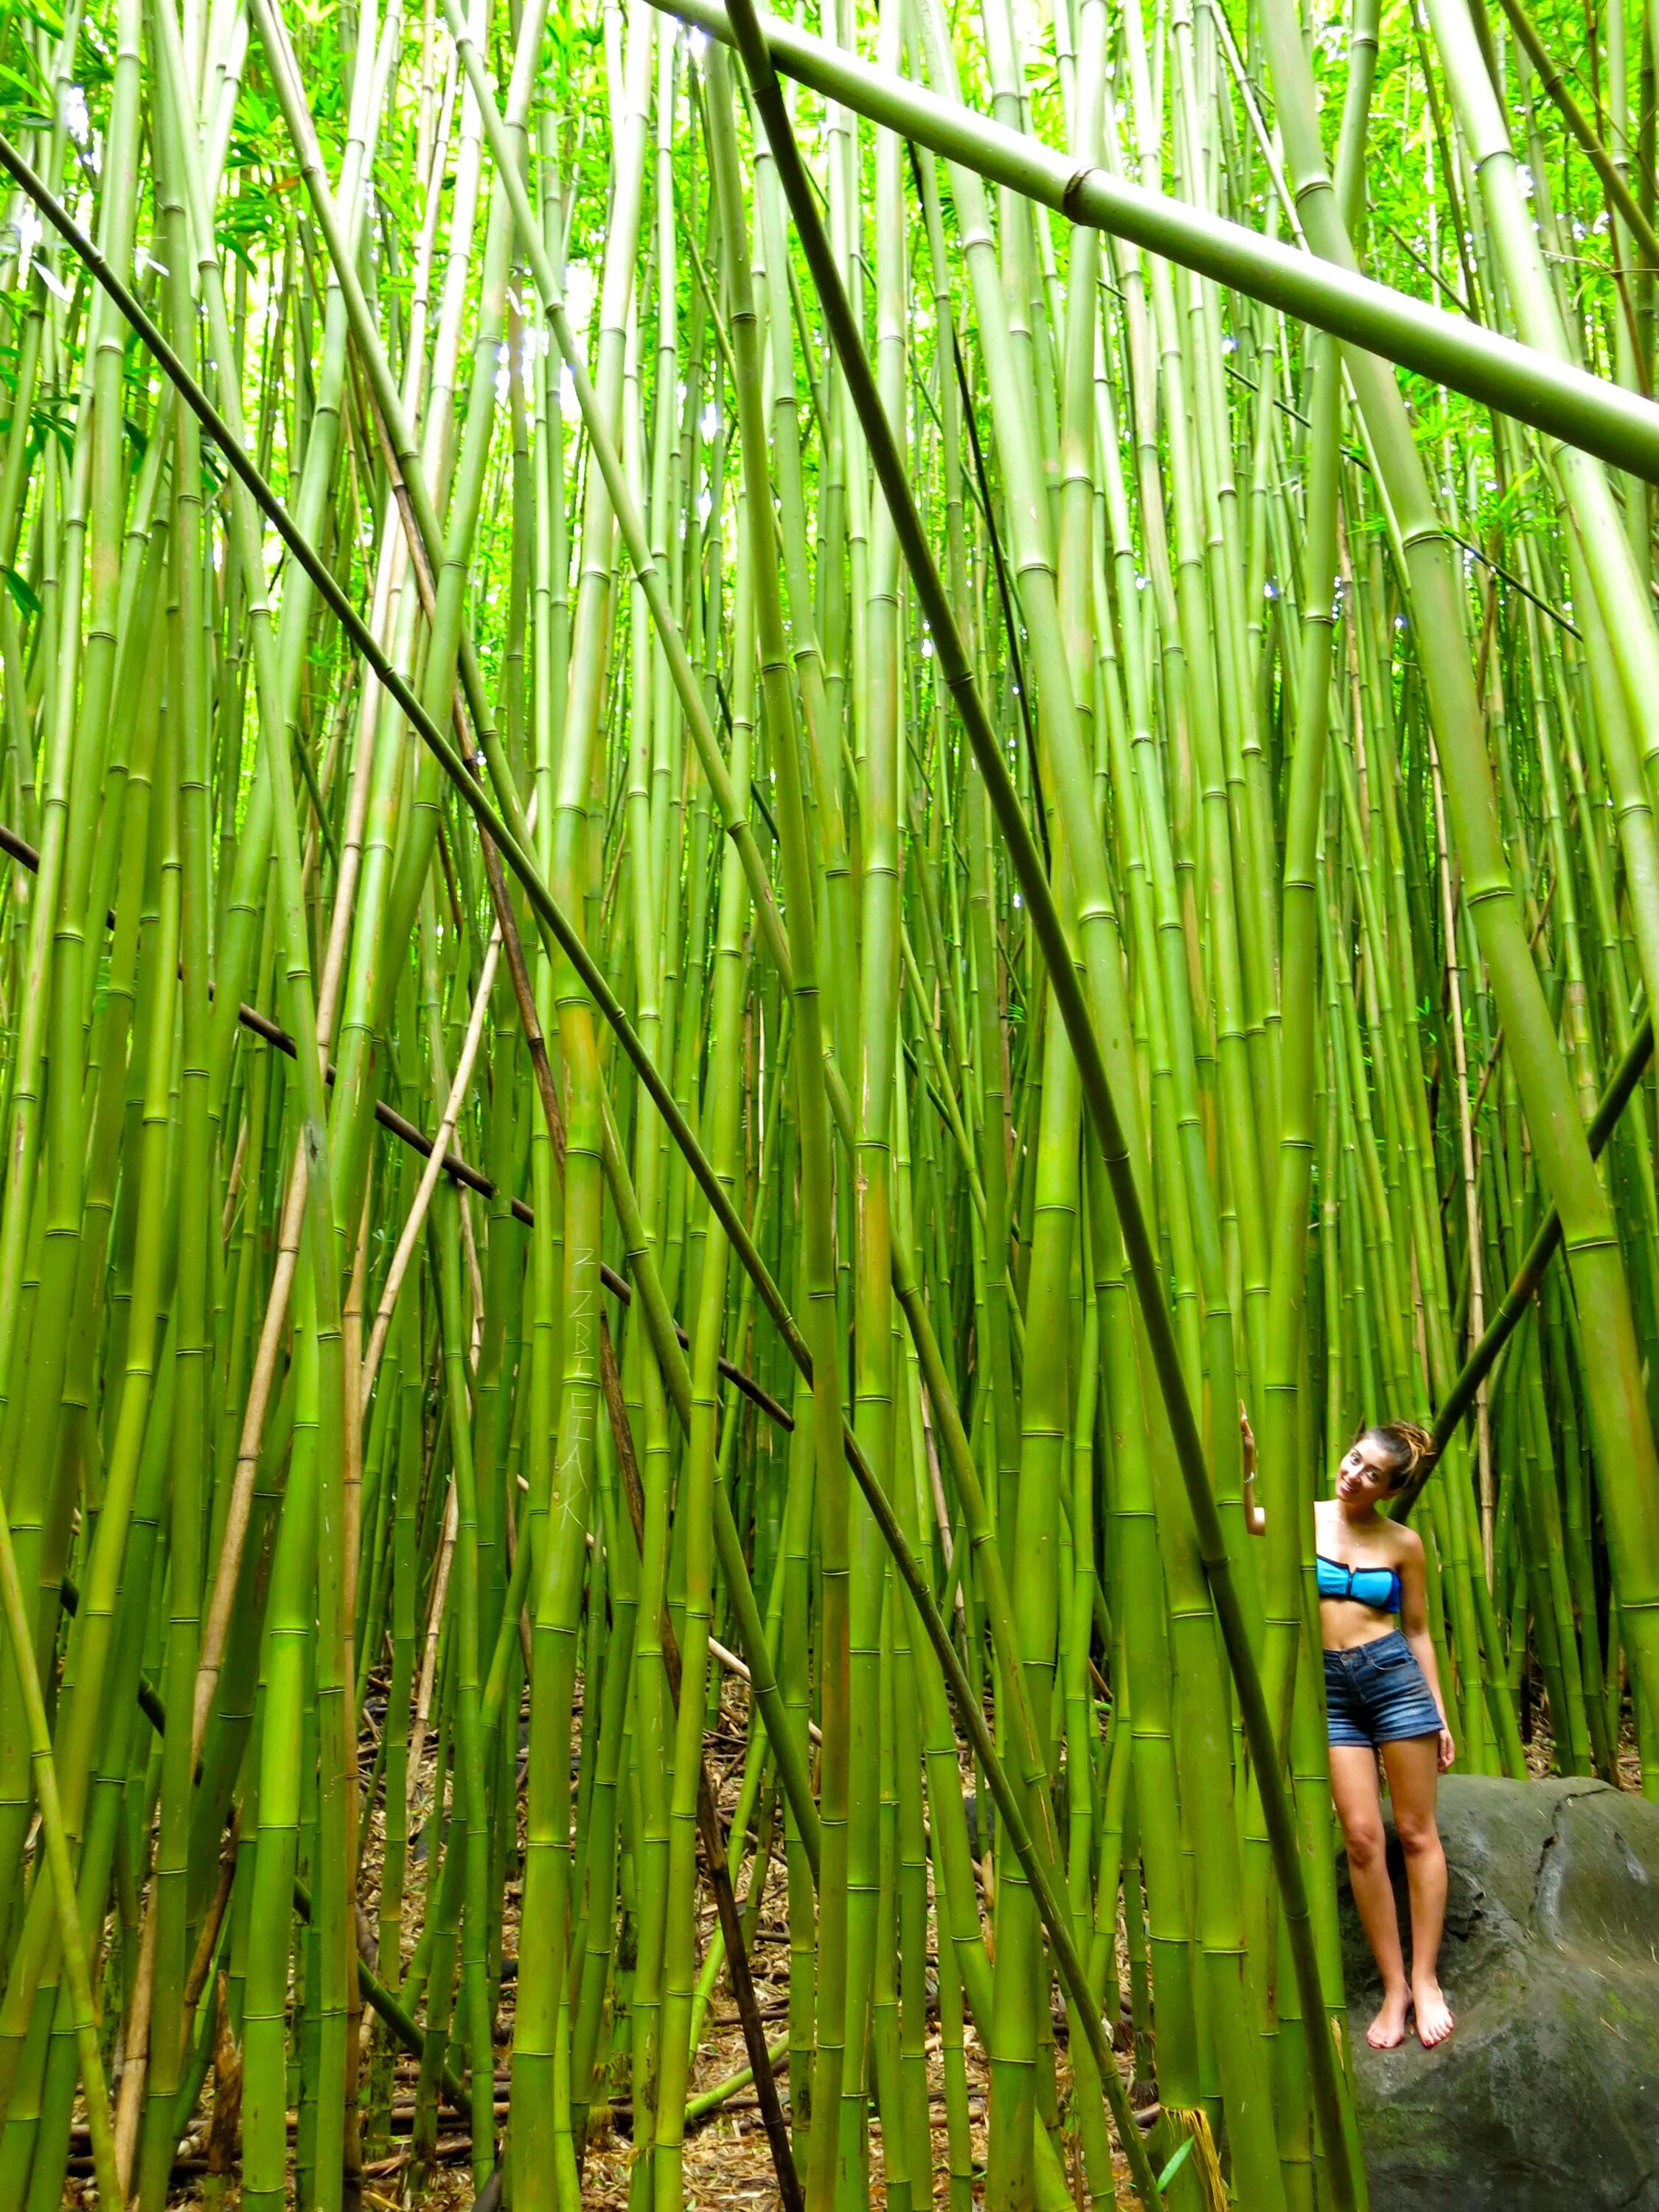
1377 1693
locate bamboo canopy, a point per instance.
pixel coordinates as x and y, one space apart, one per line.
772 796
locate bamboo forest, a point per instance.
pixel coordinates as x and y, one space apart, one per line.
797 812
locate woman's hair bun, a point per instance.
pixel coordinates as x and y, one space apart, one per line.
1409 1444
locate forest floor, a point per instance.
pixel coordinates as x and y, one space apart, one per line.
727 2161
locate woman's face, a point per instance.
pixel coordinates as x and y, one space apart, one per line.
1363 1477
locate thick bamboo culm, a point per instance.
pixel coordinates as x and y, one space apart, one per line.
773 791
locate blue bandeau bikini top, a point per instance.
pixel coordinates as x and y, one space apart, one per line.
1377 1587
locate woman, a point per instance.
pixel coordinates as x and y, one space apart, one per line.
1381 1694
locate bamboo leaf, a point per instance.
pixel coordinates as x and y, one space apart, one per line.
1174 2164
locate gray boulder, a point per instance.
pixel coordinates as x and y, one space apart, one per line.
1547 2094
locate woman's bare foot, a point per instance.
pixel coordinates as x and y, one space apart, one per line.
1434 2015
1388 2031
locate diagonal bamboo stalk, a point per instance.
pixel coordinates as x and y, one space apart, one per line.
1582 410
1104 1113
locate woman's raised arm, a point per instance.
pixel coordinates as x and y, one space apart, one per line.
1255 1519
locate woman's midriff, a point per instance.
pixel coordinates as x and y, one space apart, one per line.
1345 1625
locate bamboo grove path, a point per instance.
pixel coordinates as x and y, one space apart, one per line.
772 793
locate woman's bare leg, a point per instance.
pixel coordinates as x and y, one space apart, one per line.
1412 1766
1358 1801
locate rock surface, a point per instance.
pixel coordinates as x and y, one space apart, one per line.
1547 2094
